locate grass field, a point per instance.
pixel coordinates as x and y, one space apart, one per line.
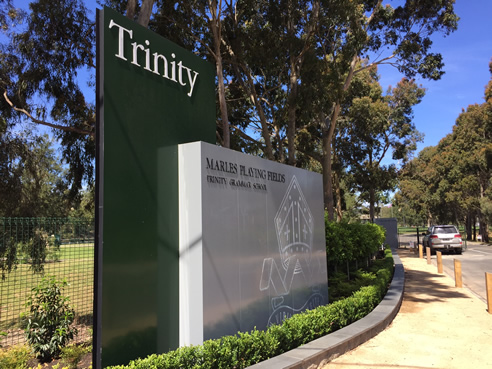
75 264
405 230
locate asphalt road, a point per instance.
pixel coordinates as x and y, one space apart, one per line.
475 262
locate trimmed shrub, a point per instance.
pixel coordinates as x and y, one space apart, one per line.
351 242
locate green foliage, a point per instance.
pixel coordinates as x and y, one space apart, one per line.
72 354
34 251
40 60
376 126
8 254
341 288
49 319
15 357
2 333
32 182
450 182
347 242
245 349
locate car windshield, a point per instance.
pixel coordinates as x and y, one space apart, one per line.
445 230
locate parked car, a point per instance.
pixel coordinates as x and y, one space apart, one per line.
443 238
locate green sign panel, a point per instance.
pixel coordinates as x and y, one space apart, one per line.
151 96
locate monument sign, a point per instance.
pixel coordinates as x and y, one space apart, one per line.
197 246
151 96
252 242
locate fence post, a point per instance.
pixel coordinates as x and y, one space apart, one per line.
421 251
428 254
488 285
439 261
457 273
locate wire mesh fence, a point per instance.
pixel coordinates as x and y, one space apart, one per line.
31 248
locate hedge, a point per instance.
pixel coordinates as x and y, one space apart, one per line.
245 349
349 242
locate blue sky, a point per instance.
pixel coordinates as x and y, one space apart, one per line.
466 53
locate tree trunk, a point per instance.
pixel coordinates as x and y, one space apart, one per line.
265 133
468 228
338 191
328 136
143 15
472 225
328 132
145 12
226 132
216 28
249 87
372 200
483 230
130 9
483 225
292 101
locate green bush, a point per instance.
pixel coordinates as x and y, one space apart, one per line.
245 349
15 357
34 251
72 354
49 319
350 242
8 254
341 288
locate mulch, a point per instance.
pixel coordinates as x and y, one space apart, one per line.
84 363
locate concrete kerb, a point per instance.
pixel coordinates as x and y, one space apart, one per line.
322 350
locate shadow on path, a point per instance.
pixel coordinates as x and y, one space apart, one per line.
421 286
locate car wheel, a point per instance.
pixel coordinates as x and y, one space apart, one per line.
459 251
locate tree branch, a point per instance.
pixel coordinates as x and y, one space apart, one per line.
244 135
38 121
313 155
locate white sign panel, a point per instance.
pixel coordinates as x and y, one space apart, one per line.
252 242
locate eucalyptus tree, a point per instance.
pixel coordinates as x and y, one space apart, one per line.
197 26
375 127
32 183
13 153
356 30
41 62
284 68
472 143
451 181
417 184
44 188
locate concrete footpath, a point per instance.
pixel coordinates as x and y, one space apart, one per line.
424 321
438 326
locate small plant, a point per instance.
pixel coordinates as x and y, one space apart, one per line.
72 354
49 319
2 334
15 357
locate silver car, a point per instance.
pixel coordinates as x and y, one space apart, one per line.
443 237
